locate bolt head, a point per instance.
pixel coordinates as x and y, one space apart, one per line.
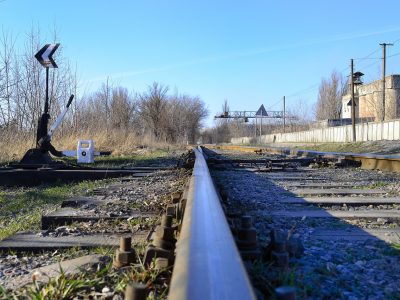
161 263
281 259
124 258
285 293
166 220
246 221
176 197
279 245
135 291
125 243
165 233
171 211
247 235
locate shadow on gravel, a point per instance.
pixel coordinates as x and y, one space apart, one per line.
349 259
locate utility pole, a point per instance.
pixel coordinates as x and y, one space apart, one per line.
383 78
284 115
353 102
255 128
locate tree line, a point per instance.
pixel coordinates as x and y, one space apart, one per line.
114 112
155 115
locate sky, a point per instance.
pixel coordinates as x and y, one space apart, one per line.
246 52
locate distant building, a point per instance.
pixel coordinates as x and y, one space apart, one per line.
368 100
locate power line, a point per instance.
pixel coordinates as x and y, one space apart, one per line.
375 63
376 52
396 54
368 66
367 57
273 105
310 88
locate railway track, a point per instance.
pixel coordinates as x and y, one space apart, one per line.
344 220
366 161
272 226
100 227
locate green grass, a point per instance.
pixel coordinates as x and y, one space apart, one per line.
378 184
21 208
88 282
137 159
67 286
266 277
357 147
392 250
395 247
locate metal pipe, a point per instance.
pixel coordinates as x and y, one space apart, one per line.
59 118
208 264
46 103
284 114
353 101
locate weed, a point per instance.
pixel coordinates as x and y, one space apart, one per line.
104 250
91 281
395 247
288 277
262 273
148 157
338 224
376 185
357 147
21 208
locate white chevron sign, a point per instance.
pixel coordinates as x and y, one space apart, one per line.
44 56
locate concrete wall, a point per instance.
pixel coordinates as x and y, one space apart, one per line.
389 130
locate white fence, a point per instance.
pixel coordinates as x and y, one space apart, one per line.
389 130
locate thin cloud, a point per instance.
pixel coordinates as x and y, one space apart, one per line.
248 53
153 70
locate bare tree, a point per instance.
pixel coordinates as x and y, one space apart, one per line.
223 133
7 57
194 113
329 101
122 108
110 113
225 128
152 108
300 116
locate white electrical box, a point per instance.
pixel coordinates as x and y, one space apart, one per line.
85 152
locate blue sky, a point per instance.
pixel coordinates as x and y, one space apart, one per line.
248 52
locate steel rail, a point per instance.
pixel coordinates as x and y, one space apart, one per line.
208 264
368 161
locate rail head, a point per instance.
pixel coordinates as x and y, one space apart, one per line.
208 264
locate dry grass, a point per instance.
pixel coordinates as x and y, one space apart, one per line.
376 147
119 142
14 145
